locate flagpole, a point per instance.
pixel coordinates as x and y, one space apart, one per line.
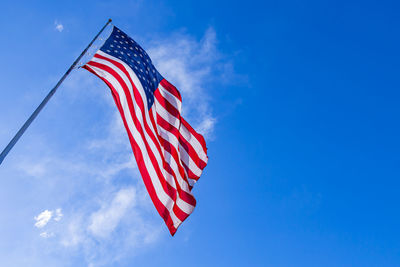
46 99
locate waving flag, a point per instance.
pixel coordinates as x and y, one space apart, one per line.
170 154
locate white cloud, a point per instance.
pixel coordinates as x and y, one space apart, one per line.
207 125
58 26
46 234
105 220
43 218
58 215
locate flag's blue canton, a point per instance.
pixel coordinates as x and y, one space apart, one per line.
121 46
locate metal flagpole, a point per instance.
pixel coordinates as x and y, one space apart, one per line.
46 99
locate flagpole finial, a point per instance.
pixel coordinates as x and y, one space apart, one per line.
109 20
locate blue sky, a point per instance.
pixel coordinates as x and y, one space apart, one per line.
299 103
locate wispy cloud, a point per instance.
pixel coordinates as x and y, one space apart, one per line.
58 26
58 215
105 220
46 234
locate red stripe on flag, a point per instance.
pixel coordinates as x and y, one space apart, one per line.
199 137
170 88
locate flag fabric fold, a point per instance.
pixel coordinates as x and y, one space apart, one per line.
169 153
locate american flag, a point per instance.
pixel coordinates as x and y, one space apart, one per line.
169 153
